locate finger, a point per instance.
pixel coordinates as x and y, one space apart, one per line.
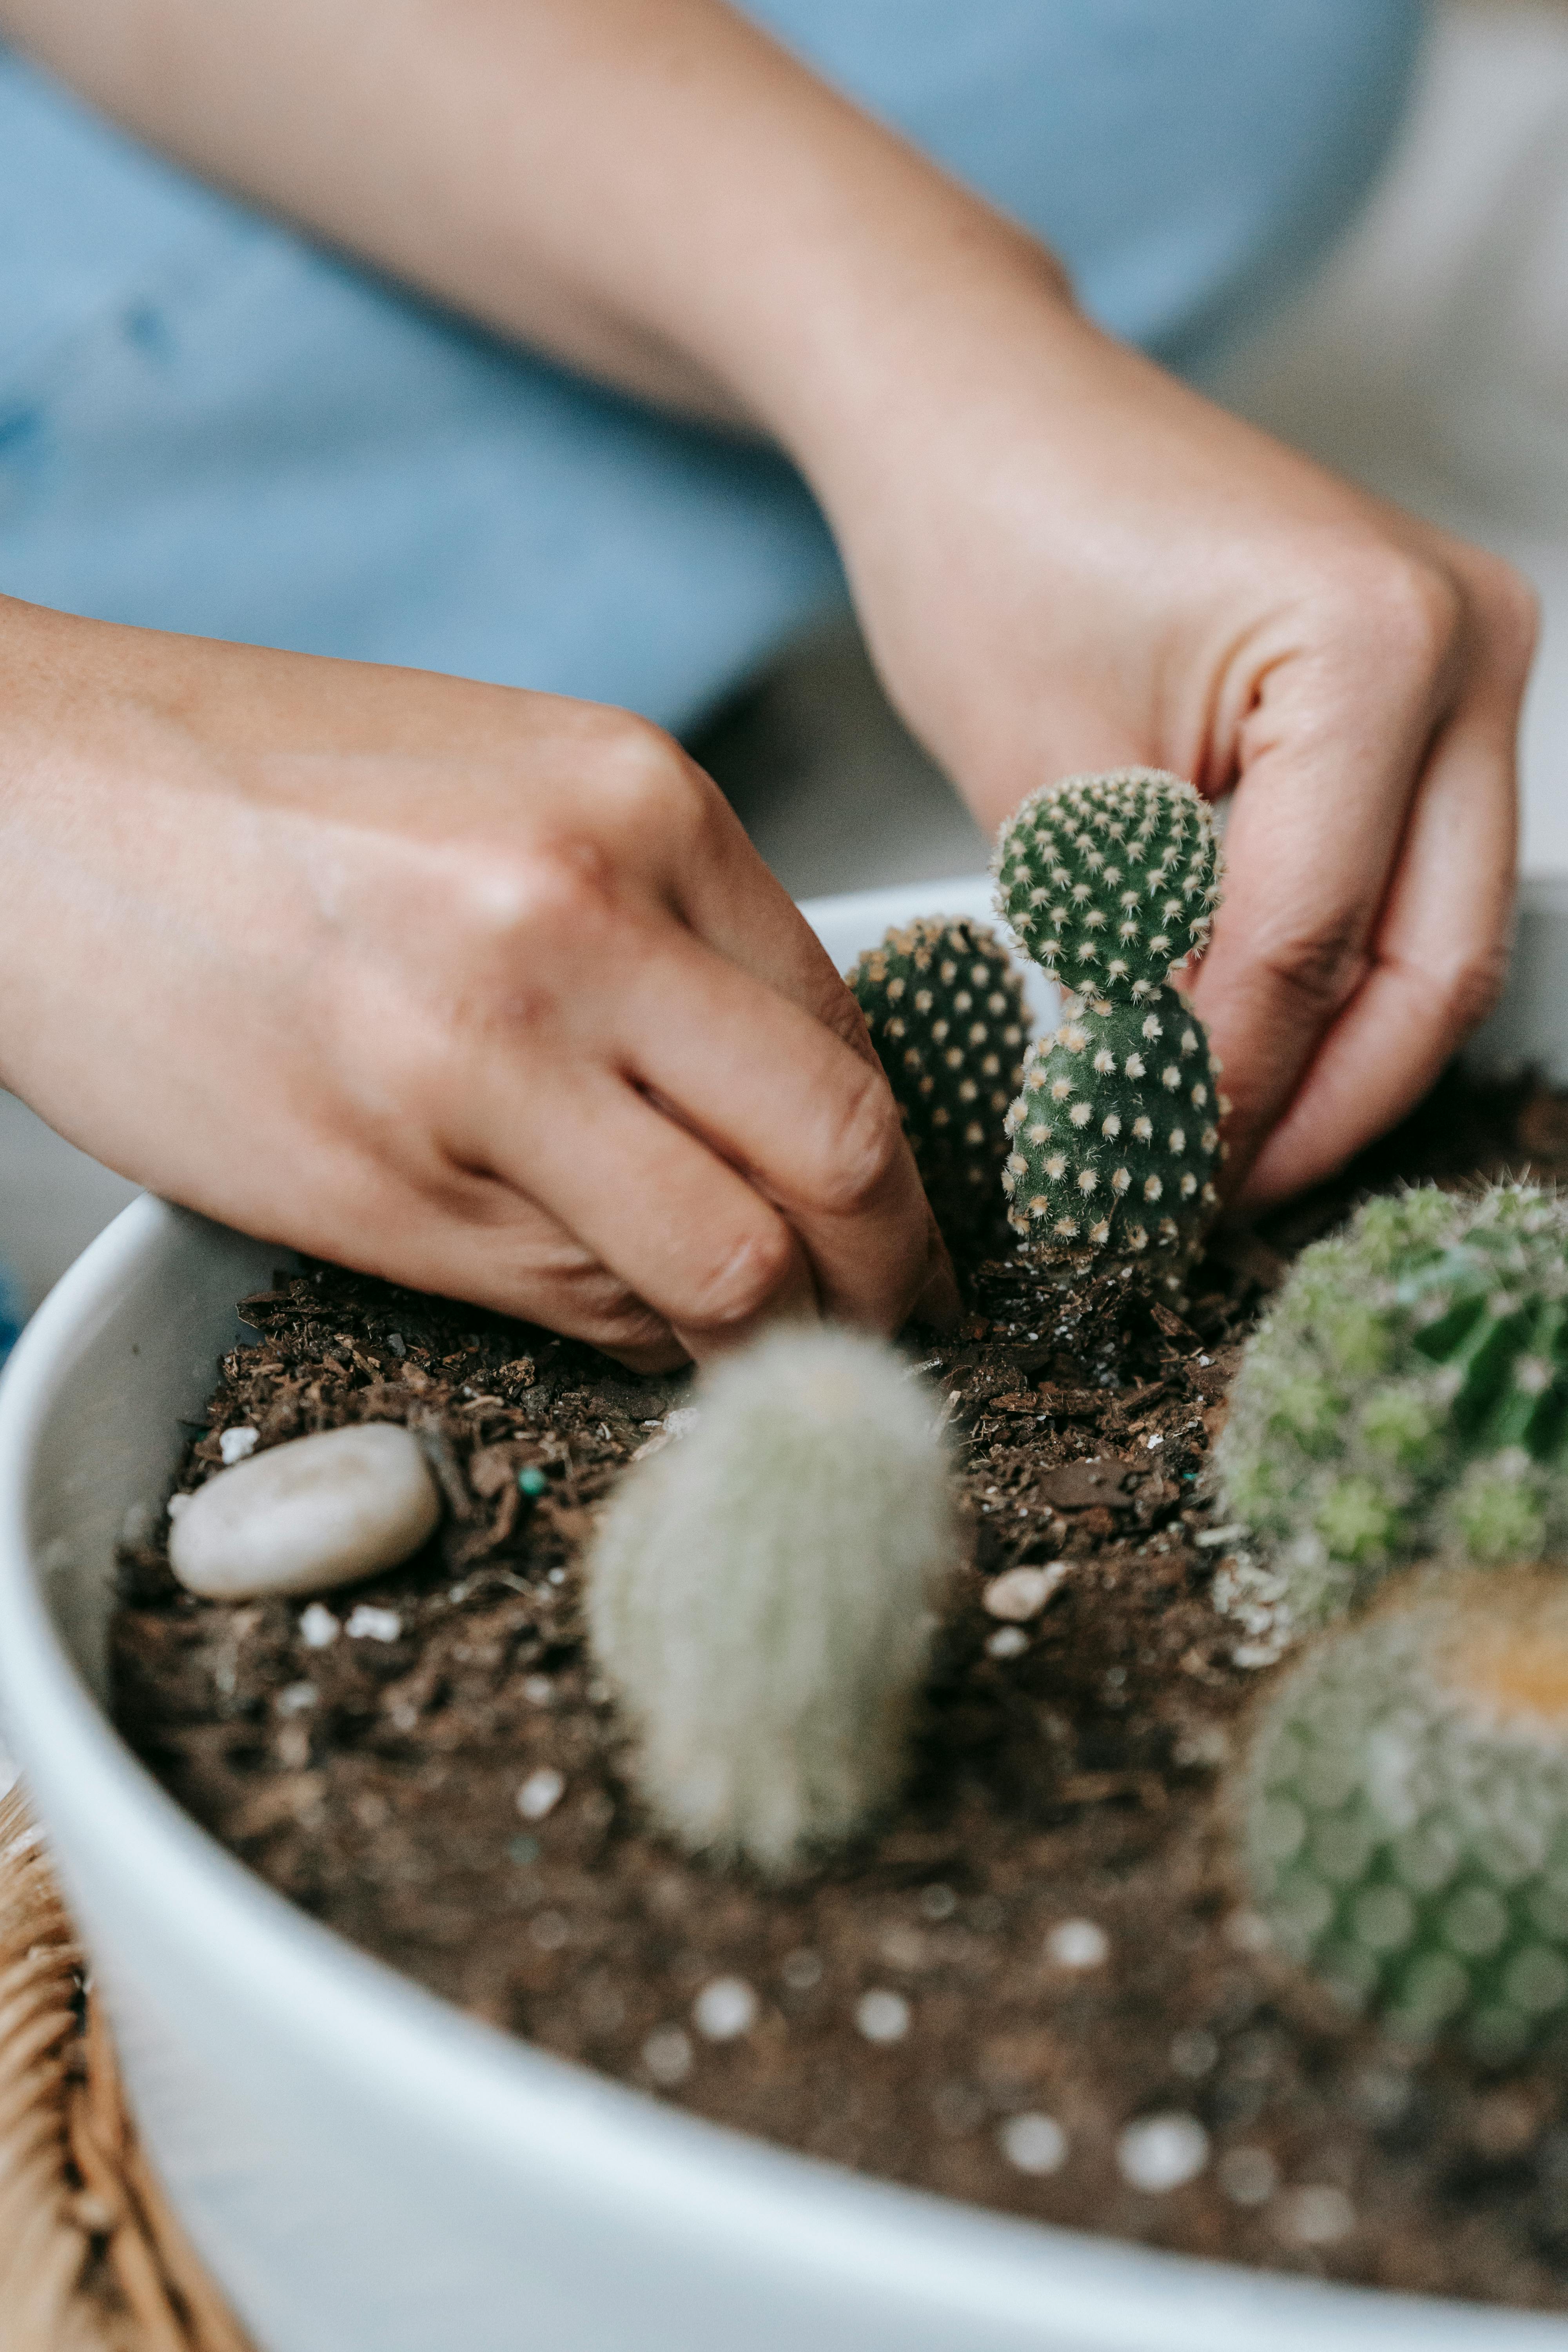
1440 958
1330 757
732 900
684 1233
812 1124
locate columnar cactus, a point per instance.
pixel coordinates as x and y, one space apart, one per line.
1408 1393
945 1010
761 1594
1110 882
1403 1811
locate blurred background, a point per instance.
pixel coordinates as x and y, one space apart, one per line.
1429 359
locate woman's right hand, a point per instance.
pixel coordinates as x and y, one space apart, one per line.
483 990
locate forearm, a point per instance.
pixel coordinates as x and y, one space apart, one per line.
651 190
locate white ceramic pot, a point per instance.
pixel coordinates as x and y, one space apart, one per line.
365 2169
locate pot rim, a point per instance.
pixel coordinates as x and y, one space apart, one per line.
453 2078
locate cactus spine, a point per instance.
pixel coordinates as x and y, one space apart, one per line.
1110 882
1408 1393
945 1010
760 1597
1404 1810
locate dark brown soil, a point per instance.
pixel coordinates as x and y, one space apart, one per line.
1066 1774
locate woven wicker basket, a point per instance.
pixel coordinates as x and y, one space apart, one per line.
90 2258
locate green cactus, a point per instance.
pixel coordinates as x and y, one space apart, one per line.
1110 883
1403 1811
945 1010
1408 1393
760 1596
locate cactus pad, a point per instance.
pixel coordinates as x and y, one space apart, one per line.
760 1597
1408 1393
1110 881
1115 1136
1403 1812
945 1010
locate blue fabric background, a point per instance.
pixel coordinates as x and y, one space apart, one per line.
208 424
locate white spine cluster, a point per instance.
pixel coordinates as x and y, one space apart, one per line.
760 1598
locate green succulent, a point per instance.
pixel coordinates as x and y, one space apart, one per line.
1408 1393
1110 883
945 1010
1403 1811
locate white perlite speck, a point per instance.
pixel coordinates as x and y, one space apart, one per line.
1032 2143
318 1512
1160 2153
666 2055
367 1623
237 1445
1007 1641
1248 2175
881 2015
725 2008
319 1629
1020 1593
1315 2215
540 1793
1076 1944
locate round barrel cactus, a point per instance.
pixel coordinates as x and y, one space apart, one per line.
1407 1394
1403 1811
945 1010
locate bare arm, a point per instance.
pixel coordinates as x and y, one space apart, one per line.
1061 557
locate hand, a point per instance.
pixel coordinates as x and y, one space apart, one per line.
1065 559
482 991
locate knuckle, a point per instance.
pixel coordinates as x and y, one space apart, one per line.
1419 613
866 1148
645 772
1320 965
735 1290
1469 991
1512 608
1402 612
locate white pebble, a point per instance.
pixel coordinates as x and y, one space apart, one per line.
366 1624
537 1689
1019 1593
237 1445
1248 2175
1317 2215
666 2055
1153 1441
1076 1944
881 2015
1007 1641
302 1517
1034 2143
540 1793
319 1629
1162 2152
725 2006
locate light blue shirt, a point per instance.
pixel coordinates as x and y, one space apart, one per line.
207 424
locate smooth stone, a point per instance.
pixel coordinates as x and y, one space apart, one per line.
302 1517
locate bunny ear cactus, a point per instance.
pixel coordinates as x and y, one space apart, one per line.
945 1010
761 1596
1408 1393
1110 882
1402 1811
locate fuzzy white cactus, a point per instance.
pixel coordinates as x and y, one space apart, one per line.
761 1597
